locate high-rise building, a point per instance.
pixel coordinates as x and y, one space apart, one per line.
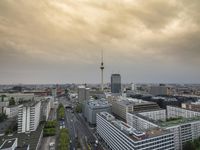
83 94
115 83
120 136
28 117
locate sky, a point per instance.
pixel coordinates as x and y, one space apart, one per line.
60 41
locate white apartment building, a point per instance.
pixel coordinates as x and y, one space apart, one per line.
120 136
173 112
185 125
28 117
159 114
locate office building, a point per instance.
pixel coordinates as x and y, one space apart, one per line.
83 94
120 136
184 124
121 106
159 90
92 107
195 106
115 83
28 117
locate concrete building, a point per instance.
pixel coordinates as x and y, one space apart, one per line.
122 106
3 104
83 94
28 117
120 136
11 111
191 106
92 107
184 124
54 92
10 144
45 109
157 114
115 83
159 90
19 96
174 112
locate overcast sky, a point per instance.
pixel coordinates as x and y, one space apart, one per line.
60 41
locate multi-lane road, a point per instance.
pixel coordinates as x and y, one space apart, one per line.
78 129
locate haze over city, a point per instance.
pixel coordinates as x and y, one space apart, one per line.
56 41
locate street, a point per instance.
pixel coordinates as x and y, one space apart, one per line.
78 129
47 140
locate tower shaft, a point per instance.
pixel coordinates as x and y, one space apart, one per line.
102 68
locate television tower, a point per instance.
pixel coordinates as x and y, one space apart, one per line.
102 68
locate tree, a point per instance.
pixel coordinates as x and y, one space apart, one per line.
189 146
2 97
78 108
63 140
12 101
196 143
61 111
2 117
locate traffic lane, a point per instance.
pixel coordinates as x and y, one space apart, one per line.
85 131
70 126
85 128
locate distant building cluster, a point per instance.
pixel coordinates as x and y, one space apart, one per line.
122 116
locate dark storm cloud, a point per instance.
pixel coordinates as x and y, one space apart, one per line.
63 39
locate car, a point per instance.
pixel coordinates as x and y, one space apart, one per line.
52 146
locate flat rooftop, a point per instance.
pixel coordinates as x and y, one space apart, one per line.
131 132
131 101
98 103
169 122
30 104
30 139
178 121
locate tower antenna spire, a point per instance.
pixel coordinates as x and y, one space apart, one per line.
102 68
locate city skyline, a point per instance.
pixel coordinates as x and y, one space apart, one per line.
58 41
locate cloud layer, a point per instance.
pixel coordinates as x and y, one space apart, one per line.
58 41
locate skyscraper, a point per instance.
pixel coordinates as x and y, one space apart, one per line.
115 83
83 94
